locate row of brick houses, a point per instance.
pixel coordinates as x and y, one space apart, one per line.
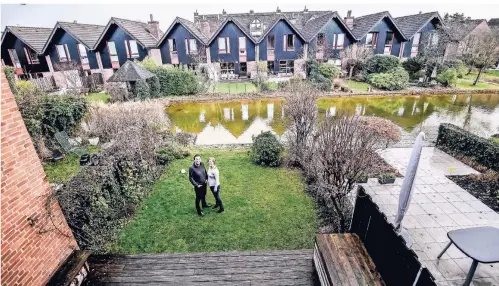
231 44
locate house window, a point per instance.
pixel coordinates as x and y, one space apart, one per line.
415 45
223 45
31 56
62 52
227 68
242 46
388 43
270 67
320 40
339 41
372 40
14 58
256 28
83 54
112 52
173 45
191 46
289 42
286 66
433 39
270 42
132 49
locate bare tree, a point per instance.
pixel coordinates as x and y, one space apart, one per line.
486 53
71 72
302 112
343 150
356 54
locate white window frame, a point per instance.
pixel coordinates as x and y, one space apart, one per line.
374 39
287 48
339 41
191 46
256 28
172 43
227 68
415 44
226 43
31 56
113 57
63 56
13 56
242 48
131 53
83 54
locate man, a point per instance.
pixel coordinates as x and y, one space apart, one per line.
198 177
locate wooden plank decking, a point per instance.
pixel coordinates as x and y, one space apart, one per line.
294 267
342 259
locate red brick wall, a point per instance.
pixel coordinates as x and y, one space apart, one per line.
29 254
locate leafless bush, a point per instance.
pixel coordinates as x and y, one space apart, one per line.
342 150
118 92
301 110
386 130
108 121
71 72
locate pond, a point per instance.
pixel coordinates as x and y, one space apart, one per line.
236 121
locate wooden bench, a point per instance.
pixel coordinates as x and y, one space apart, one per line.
342 259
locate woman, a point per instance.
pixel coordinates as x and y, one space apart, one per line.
214 183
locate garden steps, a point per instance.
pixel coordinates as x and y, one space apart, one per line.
288 267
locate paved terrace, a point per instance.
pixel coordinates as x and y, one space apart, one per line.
438 206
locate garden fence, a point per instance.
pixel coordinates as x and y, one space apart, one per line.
44 83
397 264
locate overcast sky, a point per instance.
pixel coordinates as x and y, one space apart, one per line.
47 15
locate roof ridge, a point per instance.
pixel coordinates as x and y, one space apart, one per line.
28 27
129 20
64 22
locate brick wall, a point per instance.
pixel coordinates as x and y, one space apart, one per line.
28 256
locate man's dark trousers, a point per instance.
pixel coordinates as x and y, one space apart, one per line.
200 197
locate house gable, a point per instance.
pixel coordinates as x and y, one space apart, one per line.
231 30
11 41
281 28
382 27
180 34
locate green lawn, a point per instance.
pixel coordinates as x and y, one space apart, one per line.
357 86
62 171
465 83
265 208
96 97
233 87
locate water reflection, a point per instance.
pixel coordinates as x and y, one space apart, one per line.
232 122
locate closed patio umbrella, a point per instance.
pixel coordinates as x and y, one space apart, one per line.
409 179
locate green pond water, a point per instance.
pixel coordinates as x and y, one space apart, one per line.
234 122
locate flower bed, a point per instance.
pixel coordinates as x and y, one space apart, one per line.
484 187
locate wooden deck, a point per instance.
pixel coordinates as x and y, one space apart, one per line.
342 259
294 267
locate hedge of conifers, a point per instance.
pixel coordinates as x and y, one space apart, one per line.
459 141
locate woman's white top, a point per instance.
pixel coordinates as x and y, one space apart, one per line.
213 177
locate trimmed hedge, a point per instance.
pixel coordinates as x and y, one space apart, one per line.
175 81
457 140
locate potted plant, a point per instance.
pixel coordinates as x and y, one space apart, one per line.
387 178
361 178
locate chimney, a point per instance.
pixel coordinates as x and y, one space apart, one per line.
196 15
420 12
251 11
278 11
349 19
74 21
223 12
305 10
154 28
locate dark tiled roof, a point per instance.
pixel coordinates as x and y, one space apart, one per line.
130 71
313 26
138 30
298 20
236 22
189 26
87 34
458 30
411 24
34 37
362 25
193 29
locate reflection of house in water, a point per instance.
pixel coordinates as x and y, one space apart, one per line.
270 111
400 112
228 114
331 112
215 135
257 126
202 116
244 110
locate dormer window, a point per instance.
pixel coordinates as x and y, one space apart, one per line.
256 28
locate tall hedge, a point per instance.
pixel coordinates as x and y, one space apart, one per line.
456 140
11 78
382 64
176 81
154 86
142 90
